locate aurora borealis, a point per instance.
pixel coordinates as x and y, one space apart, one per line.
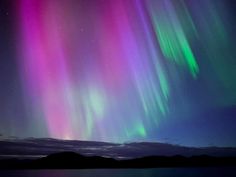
119 70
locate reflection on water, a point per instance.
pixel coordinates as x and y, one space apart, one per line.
152 172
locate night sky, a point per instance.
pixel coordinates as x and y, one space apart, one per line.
119 70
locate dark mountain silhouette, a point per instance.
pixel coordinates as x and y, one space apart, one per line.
32 148
71 160
43 153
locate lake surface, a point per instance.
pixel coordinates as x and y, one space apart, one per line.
152 172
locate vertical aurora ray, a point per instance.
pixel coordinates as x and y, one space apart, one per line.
113 70
171 36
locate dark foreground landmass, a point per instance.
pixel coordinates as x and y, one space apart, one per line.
71 160
46 153
34 148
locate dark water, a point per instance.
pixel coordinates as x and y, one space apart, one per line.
153 172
